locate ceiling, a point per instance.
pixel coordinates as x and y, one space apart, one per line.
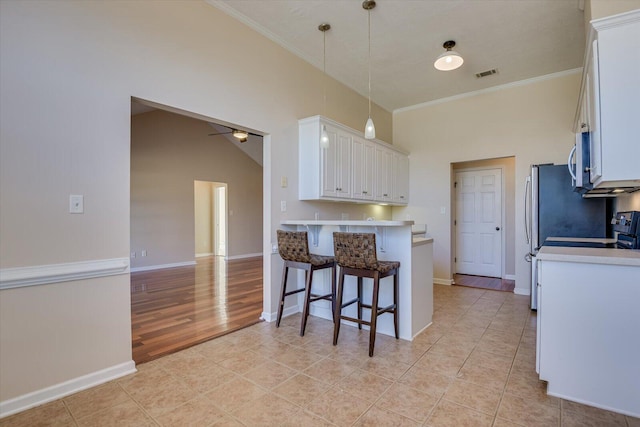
522 39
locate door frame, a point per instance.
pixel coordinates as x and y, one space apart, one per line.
454 229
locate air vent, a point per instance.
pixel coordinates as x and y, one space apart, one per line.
487 73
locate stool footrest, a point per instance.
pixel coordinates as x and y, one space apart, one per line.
293 292
315 297
348 303
353 319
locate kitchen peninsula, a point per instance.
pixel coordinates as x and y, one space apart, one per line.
394 242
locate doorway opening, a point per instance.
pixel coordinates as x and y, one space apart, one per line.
210 218
483 223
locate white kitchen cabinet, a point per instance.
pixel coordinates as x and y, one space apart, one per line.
348 167
384 177
588 337
400 179
364 166
610 94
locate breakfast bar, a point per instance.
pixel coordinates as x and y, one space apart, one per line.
395 242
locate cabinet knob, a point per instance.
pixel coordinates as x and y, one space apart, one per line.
402 197
385 195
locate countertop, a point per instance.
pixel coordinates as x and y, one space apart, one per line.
417 241
581 239
590 255
360 223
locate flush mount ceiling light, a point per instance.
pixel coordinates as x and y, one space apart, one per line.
449 60
324 137
369 127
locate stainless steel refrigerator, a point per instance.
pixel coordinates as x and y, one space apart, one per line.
553 209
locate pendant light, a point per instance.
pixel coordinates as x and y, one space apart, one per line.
324 137
369 128
449 60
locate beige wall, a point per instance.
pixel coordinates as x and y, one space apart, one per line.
628 202
68 72
508 166
169 152
596 9
532 123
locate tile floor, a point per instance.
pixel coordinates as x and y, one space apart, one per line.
473 367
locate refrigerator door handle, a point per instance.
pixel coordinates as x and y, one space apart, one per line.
569 163
527 187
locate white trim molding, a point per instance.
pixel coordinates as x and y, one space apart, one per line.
437 281
271 317
48 394
256 255
54 273
161 266
510 277
204 254
522 291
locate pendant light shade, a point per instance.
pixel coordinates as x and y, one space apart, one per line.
369 128
449 60
324 137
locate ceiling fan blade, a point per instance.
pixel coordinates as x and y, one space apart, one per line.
223 133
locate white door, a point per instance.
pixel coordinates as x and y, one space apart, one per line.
478 222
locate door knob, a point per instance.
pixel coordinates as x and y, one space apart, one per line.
497 228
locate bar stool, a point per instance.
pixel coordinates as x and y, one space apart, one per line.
355 253
293 247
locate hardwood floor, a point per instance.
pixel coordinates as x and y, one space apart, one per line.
175 308
493 283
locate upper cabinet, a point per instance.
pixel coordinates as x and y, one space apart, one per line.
348 167
609 106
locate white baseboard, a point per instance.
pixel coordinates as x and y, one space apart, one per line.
272 317
522 291
256 255
421 331
161 266
204 254
437 281
45 395
510 277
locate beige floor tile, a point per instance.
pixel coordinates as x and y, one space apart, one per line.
528 386
338 407
270 374
507 349
227 421
243 361
450 414
499 422
479 398
430 335
482 376
124 414
206 378
573 413
408 402
390 369
235 393
365 385
197 412
267 410
297 358
428 382
304 418
452 348
401 351
479 358
443 364
301 389
376 417
633 422
322 346
525 412
162 395
330 370
96 399
54 413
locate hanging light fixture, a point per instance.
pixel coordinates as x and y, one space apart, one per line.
449 60
369 128
324 137
240 134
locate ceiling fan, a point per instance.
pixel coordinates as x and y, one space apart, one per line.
240 135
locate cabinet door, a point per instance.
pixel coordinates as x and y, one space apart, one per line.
363 166
343 165
400 178
593 107
384 170
329 159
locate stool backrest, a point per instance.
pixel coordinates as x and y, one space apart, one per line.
293 245
355 250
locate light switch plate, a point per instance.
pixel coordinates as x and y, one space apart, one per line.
76 204
284 182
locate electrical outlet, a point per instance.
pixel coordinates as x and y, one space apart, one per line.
274 248
143 252
284 182
283 206
76 204
133 254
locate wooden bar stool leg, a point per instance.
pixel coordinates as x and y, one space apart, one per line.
307 299
396 279
285 272
359 301
338 312
333 291
374 312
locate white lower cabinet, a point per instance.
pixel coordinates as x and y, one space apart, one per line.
348 167
588 343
